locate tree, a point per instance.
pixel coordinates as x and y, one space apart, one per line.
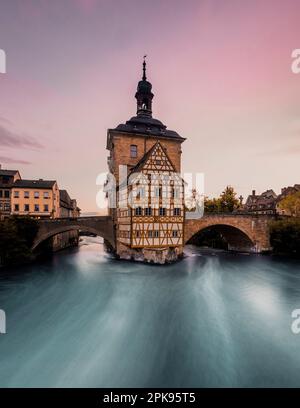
225 203
291 204
212 205
285 236
228 200
16 238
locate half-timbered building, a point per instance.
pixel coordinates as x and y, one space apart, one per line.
149 214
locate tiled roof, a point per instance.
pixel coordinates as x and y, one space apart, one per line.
34 183
147 126
8 172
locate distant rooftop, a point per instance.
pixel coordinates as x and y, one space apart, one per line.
34 183
4 172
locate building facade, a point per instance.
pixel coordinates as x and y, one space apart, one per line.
67 206
264 203
269 202
35 198
148 206
7 179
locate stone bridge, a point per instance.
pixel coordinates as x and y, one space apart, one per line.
101 226
243 232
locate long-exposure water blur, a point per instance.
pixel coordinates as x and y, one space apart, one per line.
214 319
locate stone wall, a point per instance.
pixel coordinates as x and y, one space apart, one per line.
121 151
149 255
65 240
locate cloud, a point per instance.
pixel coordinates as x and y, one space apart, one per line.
12 139
9 160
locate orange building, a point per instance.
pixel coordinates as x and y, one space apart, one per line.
36 198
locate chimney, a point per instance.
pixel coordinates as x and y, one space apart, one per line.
253 192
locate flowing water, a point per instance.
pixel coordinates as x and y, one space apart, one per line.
213 319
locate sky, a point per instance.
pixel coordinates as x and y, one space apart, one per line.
221 75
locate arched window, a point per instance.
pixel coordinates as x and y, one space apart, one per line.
145 104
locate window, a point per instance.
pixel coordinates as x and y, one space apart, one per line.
36 194
148 211
36 208
0 206
158 191
177 211
156 233
46 208
16 207
6 194
16 194
175 233
175 192
26 207
138 233
46 194
162 211
1 193
6 207
157 162
133 151
26 194
150 234
140 193
138 211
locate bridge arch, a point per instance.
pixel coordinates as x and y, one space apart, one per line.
101 226
236 238
247 233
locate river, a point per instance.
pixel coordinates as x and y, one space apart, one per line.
214 319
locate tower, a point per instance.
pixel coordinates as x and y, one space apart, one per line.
150 227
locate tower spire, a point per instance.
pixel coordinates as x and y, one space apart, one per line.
144 68
144 94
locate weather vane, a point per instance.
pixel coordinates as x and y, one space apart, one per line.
144 68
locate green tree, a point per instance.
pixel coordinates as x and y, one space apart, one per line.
16 238
285 236
228 200
226 203
291 204
212 205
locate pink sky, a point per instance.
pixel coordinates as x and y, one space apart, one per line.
221 75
